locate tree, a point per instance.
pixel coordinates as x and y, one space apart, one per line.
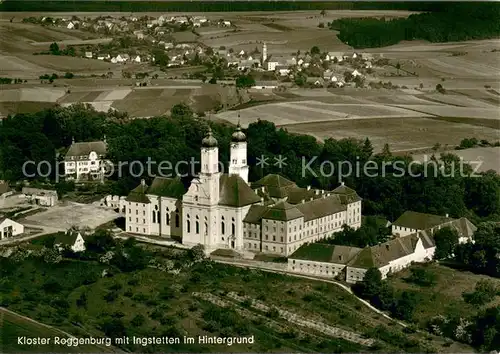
68 75
160 58
386 152
212 81
440 88
323 12
315 50
54 49
405 306
244 81
371 284
367 149
197 253
446 240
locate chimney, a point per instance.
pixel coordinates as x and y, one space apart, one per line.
447 215
143 182
72 140
308 188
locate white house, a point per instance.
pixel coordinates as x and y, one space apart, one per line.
137 59
89 55
356 73
70 25
42 197
73 240
10 228
86 160
412 222
226 23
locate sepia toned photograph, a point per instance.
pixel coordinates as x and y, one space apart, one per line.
246 176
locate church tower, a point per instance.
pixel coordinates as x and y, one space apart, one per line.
238 164
210 174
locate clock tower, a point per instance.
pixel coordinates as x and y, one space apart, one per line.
238 163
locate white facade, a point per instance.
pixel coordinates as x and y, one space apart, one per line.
10 228
86 160
222 211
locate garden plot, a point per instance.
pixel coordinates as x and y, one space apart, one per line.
288 316
31 94
113 95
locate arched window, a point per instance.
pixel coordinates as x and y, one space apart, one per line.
233 229
223 227
197 227
177 221
167 218
188 224
206 228
154 216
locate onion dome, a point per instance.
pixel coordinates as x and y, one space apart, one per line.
238 136
209 141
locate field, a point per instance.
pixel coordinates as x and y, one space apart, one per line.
206 299
410 117
14 326
444 298
484 158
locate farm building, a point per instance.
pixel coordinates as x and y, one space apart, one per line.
42 197
351 263
262 85
10 228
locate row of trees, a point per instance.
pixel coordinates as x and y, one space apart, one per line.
457 22
387 190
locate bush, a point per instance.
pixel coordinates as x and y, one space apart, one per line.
484 292
138 320
422 277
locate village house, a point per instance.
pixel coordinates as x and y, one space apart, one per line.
41 197
103 57
245 64
10 228
72 240
86 160
89 55
265 85
139 34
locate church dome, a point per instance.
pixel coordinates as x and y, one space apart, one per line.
238 136
209 141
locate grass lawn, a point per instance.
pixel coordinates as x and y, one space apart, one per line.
150 302
14 326
445 297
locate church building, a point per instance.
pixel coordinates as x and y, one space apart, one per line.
225 211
